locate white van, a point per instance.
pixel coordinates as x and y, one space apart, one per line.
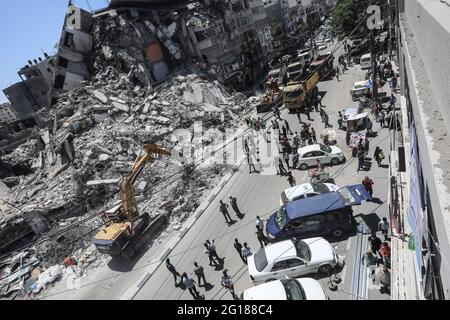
366 61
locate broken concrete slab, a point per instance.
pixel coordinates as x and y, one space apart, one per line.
121 106
100 96
102 182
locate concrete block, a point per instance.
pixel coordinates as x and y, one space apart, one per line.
100 96
121 106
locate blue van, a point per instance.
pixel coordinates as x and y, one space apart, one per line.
325 214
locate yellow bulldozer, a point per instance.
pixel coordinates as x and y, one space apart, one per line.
125 230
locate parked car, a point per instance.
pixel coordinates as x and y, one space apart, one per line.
306 190
328 214
309 155
292 258
286 289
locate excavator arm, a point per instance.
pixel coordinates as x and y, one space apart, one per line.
128 205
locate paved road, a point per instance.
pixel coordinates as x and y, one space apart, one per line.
257 194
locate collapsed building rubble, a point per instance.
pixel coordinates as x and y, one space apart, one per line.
96 132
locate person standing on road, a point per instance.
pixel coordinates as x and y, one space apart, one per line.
375 244
298 116
190 285
224 210
291 179
212 248
322 115
246 251
340 120
360 155
238 247
385 253
369 126
263 241
378 155
383 226
251 164
227 282
381 118
368 183
337 73
282 170
286 124
260 223
295 159
174 272
233 202
326 119
384 275
200 273
212 261
313 135
286 159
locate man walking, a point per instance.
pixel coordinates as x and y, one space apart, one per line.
325 119
378 155
298 116
233 202
224 210
340 120
368 183
381 118
313 135
369 127
385 253
190 285
227 282
375 244
238 247
260 223
291 179
286 124
246 251
337 73
383 226
251 164
174 272
286 159
212 261
200 273
263 241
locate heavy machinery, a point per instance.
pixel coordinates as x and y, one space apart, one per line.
125 230
295 94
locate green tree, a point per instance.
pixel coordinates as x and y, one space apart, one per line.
348 14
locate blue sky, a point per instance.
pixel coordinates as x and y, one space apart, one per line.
26 28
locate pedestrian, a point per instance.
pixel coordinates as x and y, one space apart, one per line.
313 135
383 226
298 116
337 73
385 253
263 241
212 248
366 145
227 282
322 115
291 179
340 120
295 160
376 112
286 124
381 118
251 164
320 165
246 148
369 127
284 131
384 275
378 155
319 101
282 170
190 285
233 202
286 159
325 119
375 244
360 155
392 101
246 251
70 262
307 112
368 183
200 273
260 223
238 247
172 269
224 210
369 260
394 82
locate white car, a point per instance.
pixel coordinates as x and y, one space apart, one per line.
306 190
292 258
286 289
309 155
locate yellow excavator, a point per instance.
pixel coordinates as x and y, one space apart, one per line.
125 230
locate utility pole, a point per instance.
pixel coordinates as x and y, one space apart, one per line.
374 69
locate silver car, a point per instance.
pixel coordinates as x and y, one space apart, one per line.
309 155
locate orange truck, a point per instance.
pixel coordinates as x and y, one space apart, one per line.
295 94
